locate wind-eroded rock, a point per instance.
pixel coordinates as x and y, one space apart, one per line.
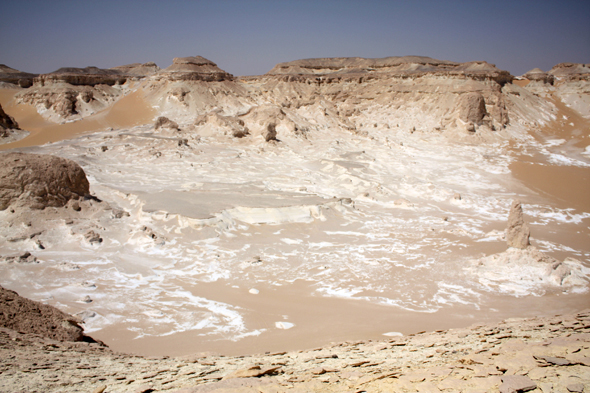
164 122
472 107
538 75
518 232
39 181
24 315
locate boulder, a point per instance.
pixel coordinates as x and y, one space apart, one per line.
518 232
472 108
39 181
24 315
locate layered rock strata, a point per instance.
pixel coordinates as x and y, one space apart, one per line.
546 354
16 77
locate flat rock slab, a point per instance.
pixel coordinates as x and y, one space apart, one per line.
516 384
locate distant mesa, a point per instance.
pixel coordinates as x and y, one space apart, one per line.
401 66
138 69
16 77
92 76
195 68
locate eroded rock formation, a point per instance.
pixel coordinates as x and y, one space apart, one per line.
517 232
39 181
7 123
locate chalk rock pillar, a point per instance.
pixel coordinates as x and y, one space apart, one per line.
518 232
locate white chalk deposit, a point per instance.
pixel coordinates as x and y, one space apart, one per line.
363 215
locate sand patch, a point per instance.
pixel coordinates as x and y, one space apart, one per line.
129 111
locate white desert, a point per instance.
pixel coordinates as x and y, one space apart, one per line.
337 224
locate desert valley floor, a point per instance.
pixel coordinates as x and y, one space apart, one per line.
328 200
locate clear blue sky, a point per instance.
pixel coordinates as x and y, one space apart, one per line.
249 37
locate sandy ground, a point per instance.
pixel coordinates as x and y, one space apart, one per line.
239 246
128 111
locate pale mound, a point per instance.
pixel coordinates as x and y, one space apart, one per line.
39 181
24 315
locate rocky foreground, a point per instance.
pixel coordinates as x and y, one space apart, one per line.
517 355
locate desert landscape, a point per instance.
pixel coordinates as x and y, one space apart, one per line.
326 214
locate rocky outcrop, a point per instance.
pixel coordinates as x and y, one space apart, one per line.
65 102
7 123
39 181
472 108
215 123
195 68
517 232
16 77
549 354
538 75
164 122
89 76
24 315
571 71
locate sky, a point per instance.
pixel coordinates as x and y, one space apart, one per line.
248 37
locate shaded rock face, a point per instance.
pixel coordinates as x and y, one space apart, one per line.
39 181
24 315
6 123
164 122
518 232
472 108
